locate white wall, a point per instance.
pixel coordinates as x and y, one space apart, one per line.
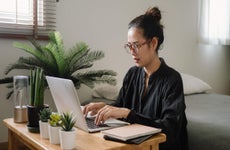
103 25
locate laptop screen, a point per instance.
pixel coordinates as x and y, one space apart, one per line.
66 99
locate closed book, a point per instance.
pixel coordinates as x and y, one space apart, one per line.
131 131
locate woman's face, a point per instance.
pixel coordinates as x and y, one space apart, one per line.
144 55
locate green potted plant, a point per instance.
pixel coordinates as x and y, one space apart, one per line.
44 116
60 62
36 100
67 133
53 128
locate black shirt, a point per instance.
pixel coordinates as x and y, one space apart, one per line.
162 105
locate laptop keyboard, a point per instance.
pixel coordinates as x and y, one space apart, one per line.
92 125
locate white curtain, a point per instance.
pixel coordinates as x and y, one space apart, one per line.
214 22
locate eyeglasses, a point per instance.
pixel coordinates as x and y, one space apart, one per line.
135 47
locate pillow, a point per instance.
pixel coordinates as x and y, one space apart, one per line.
194 85
107 91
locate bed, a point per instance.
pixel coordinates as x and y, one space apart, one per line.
208 114
208 117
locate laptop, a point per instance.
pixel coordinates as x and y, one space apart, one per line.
66 99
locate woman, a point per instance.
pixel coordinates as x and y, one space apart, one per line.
152 92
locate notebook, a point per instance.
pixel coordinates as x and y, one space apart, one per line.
129 132
66 99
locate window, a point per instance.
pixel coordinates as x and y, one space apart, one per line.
214 22
22 18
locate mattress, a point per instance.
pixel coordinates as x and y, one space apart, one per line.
208 121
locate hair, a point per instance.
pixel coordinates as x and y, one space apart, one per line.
150 24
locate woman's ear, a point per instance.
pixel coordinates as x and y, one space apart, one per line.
154 42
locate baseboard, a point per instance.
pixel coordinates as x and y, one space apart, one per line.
4 146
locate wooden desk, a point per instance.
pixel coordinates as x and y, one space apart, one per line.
18 133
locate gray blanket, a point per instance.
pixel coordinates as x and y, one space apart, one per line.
208 121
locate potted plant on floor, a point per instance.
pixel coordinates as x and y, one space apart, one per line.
44 116
53 128
67 132
36 100
60 62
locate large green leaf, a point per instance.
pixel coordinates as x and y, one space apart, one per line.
36 53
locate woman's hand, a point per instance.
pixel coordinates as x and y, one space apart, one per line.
93 108
110 112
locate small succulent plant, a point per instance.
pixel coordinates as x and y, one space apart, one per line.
44 114
55 119
67 121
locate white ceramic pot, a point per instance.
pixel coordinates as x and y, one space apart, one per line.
43 127
67 139
54 134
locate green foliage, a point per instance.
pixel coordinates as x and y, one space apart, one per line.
59 62
44 114
55 120
37 80
67 121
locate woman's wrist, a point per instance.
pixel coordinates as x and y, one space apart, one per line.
125 112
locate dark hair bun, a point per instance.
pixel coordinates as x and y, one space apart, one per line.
154 12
